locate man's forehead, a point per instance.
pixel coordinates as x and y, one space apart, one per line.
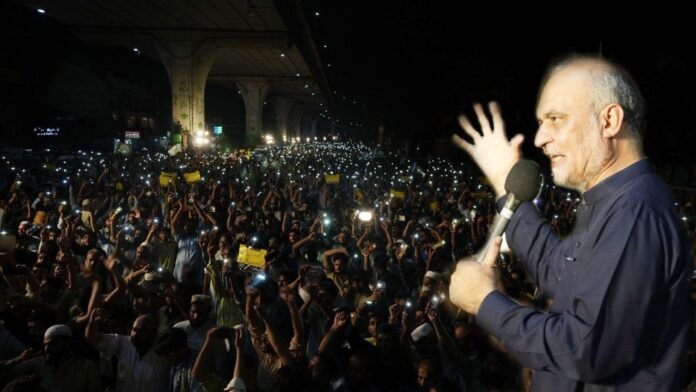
563 91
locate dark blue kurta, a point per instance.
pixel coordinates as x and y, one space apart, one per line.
621 308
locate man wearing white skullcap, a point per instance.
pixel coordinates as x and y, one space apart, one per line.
199 322
58 368
58 330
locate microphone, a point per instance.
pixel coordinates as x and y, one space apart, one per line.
522 184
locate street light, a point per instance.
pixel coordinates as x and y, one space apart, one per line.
201 139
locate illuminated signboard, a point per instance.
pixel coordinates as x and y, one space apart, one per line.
217 130
132 135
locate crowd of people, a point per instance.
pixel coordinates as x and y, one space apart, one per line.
119 273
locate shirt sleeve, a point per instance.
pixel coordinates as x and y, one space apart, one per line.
110 344
609 298
9 344
536 246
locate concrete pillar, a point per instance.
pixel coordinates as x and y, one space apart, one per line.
298 112
292 121
313 123
188 65
282 108
302 121
254 91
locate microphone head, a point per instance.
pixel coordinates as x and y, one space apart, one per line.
524 180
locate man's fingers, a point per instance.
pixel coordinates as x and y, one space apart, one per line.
489 261
482 119
463 144
517 140
497 116
465 124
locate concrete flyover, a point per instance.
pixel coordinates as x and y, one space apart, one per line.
262 48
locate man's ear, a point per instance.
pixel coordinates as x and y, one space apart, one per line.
611 120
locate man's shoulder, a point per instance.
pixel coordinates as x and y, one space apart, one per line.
82 362
113 343
185 325
647 191
34 364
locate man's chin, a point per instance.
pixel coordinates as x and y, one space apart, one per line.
139 344
560 178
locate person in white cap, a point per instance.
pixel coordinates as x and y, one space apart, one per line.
199 321
59 369
432 282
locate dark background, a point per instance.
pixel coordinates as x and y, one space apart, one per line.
410 66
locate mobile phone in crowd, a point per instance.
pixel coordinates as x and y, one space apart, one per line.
436 300
257 280
225 333
314 275
439 244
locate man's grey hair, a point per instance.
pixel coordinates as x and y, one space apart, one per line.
612 84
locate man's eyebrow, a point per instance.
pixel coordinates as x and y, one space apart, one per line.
551 112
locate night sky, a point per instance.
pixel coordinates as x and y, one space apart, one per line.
423 62
412 66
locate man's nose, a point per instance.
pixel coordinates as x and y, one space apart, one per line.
542 137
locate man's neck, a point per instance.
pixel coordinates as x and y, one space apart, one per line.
143 351
624 156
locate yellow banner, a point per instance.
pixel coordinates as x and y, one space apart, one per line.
167 178
397 194
332 178
252 257
192 177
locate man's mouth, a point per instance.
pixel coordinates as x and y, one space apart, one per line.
555 159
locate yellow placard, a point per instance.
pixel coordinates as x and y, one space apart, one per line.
397 194
332 178
192 177
406 179
434 207
252 257
167 178
359 194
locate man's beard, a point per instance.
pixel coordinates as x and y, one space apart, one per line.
54 358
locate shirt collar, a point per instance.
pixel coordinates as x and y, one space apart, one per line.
612 184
